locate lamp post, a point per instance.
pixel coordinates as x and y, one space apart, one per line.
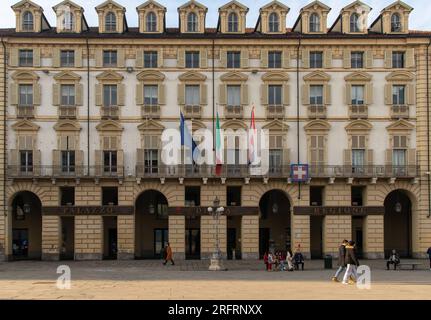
216 259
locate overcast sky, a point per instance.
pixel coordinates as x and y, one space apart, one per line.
420 18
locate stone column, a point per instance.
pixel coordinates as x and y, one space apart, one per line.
51 237
208 236
177 236
126 237
250 237
88 238
3 218
374 237
301 234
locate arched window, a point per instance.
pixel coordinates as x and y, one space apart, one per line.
314 23
274 25
192 22
232 22
111 22
395 23
151 22
27 21
68 21
354 23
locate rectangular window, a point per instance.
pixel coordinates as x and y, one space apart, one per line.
233 196
192 59
25 95
275 159
316 196
357 95
274 59
398 59
192 196
399 157
67 95
233 59
274 95
67 196
398 95
358 151
110 95
151 95
110 161
109 196
316 94
150 59
67 58
109 58
357 60
26 58
26 160
151 159
68 161
316 59
234 96
357 196
192 95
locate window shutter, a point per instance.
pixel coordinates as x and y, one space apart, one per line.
327 59
223 58
161 94
36 94
369 59
121 58
286 157
36 57
388 59
286 94
369 96
99 58
36 162
305 94
264 58
264 94
203 94
180 58
388 94
14 156
13 94
56 57
160 59
244 94
370 157
306 59
21 143
411 94
140 94
140 162
388 157
139 62
13 58
79 162
410 58
348 94
327 93
71 142
286 58
79 92
120 162
411 157
222 94
204 58
347 62
62 142
181 94
99 94
78 58
56 161
56 94
347 157
244 58
98 162
121 94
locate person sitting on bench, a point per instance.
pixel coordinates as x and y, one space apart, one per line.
298 259
393 259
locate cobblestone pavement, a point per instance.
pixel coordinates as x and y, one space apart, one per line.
148 279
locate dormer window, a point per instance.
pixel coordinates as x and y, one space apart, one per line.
274 24
151 22
111 22
314 23
192 22
68 21
354 23
27 21
232 23
396 23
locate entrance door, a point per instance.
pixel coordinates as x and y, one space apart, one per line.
20 243
110 237
112 240
263 241
160 241
316 237
231 242
193 244
357 234
68 238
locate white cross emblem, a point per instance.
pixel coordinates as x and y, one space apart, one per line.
299 173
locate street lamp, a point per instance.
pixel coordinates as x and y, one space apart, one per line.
216 259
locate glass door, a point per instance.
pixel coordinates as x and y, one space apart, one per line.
161 238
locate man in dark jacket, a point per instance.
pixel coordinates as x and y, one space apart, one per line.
393 259
352 262
429 255
341 260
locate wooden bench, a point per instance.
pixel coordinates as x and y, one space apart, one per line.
413 265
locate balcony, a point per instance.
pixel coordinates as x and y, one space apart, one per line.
64 172
234 112
67 112
150 111
363 171
400 112
110 113
359 111
317 112
275 112
192 112
25 112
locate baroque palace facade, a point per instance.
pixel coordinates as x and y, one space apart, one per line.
83 109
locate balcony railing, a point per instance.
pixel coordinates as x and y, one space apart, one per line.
150 111
24 112
67 112
359 111
110 113
233 112
275 112
72 172
317 112
193 112
400 112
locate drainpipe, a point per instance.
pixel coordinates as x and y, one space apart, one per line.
428 130
88 106
213 89
298 48
5 141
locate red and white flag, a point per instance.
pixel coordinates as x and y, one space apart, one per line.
252 142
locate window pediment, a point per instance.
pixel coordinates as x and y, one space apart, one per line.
316 5
233 5
356 6
273 6
110 76
25 125
150 5
234 125
275 76
151 126
358 77
400 76
359 125
67 125
150 75
109 125
317 125
400 125
67 76
25 75
192 5
26 4
110 5
397 5
192 76
317 76
196 125
68 3
234 76
276 125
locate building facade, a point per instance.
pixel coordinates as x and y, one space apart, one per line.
85 109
